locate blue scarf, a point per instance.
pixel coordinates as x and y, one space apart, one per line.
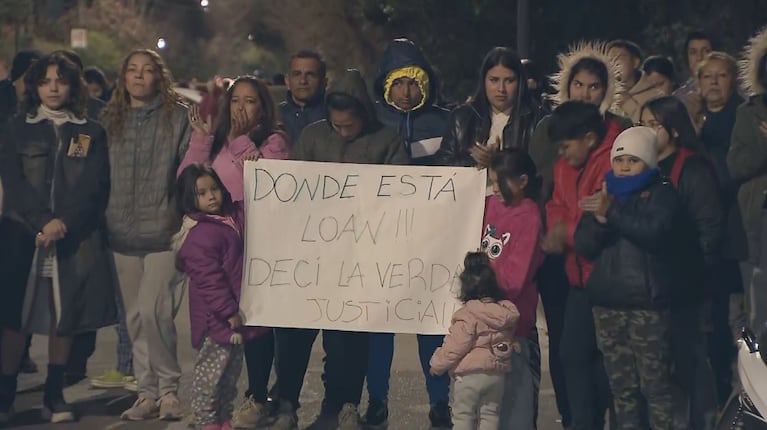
623 187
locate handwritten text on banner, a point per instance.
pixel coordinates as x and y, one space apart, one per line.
357 247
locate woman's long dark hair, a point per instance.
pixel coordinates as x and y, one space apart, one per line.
68 71
671 113
478 279
186 189
511 164
267 124
501 56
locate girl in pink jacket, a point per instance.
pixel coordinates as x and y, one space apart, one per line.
479 346
246 130
512 232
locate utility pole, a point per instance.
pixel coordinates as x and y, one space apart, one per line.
523 28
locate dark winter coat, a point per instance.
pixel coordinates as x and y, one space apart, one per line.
697 188
715 135
635 253
421 128
295 118
747 161
376 144
33 165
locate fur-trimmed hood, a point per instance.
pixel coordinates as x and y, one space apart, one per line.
749 64
566 60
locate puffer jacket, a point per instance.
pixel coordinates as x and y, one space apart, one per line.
422 127
636 264
747 161
376 144
479 333
210 253
145 155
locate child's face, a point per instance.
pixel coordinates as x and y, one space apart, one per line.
516 186
209 195
628 165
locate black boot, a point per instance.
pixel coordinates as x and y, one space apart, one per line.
8 384
439 415
55 409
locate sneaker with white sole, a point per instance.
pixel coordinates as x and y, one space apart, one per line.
110 379
170 407
142 409
57 411
131 384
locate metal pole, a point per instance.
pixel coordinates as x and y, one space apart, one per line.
523 28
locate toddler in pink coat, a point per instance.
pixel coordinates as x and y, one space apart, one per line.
478 349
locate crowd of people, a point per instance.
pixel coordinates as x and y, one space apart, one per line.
632 206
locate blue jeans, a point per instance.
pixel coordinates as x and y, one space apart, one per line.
379 367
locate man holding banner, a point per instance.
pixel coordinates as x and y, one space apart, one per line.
350 134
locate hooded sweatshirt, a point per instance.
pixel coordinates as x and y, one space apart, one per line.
478 333
421 127
512 239
376 144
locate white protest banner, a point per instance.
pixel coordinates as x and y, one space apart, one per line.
357 247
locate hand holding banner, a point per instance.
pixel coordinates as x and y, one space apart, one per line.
357 247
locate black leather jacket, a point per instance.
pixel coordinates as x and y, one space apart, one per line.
466 127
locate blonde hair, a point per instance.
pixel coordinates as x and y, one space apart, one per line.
724 57
113 116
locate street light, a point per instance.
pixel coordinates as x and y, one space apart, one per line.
204 3
161 43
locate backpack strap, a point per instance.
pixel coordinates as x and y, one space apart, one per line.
676 170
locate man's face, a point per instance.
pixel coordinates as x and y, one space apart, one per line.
697 50
405 93
627 63
346 124
304 80
576 151
717 83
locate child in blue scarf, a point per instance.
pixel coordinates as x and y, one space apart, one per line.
631 231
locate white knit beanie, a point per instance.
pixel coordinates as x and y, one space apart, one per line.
641 142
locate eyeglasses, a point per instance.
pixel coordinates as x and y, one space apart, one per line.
652 124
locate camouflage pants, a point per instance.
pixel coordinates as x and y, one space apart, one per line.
637 357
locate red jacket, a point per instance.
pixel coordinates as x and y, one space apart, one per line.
572 184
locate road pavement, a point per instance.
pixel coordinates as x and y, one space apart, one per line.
100 409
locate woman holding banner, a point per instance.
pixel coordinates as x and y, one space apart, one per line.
246 130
